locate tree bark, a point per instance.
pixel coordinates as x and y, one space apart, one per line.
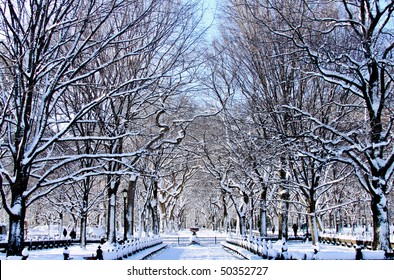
381 239
263 213
155 217
111 222
130 207
84 220
83 230
17 213
16 231
312 221
283 209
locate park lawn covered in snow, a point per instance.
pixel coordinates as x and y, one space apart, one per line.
296 250
195 252
205 256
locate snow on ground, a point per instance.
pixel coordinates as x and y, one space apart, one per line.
194 257
175 252
197 252
76 253
192 252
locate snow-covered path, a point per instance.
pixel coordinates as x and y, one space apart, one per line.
195 252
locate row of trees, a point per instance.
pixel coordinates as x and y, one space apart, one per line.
90 89
308 88
100 96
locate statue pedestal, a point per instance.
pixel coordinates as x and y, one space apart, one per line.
194 238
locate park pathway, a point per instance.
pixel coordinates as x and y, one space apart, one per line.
195 252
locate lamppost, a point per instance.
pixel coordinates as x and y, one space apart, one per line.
124 192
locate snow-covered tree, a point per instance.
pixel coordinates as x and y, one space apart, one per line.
51 50
174 176
47 48
262 70
350 45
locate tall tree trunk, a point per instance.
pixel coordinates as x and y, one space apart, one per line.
242 220
130 207
263 213
242 224
378 185
83 230
312 222
148 209
140 222
251 213
172 219
17 213
176 223
111 222
155 217
225 214
163 222
283 208
163 217
338 222
242 213
84 219
381 225
16 226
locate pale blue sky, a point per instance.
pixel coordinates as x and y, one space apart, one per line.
209 16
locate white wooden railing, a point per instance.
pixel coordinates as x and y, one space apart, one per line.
255 245
121 251
267 250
